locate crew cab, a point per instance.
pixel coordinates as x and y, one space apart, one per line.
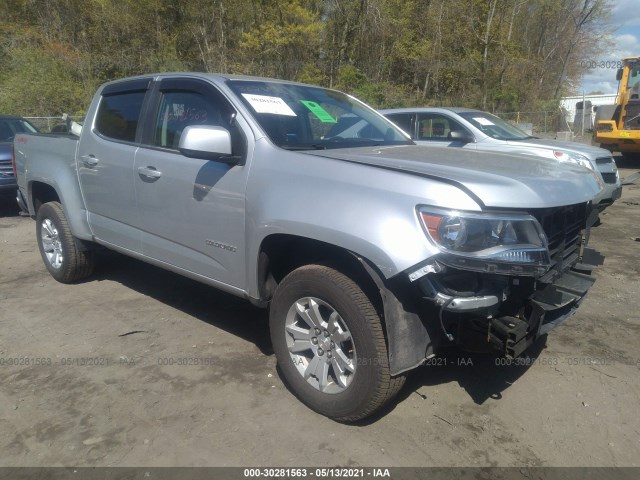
372 254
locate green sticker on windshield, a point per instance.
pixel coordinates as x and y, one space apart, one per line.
318 111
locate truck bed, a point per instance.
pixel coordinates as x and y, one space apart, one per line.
58 149
42 159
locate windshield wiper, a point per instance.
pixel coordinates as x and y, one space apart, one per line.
303 146
528 137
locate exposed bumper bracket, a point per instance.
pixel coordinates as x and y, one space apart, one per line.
461 304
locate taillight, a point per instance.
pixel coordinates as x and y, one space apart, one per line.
13 161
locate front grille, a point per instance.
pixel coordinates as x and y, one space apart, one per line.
609 177
604 160
6 170
563 227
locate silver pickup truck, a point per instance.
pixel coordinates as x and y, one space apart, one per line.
371 253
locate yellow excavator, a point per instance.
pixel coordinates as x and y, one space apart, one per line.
618 126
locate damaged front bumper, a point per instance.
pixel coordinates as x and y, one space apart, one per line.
503 314
478 312
511 335
488 303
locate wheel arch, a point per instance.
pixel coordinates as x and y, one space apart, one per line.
280 254
41 191
406 335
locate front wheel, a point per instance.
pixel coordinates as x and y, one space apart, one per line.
329 342
65 261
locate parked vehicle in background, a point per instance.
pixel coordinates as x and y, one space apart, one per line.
477 130
618 126
9 126
372 253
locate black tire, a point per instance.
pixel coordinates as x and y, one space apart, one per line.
72 263
631 155
371 385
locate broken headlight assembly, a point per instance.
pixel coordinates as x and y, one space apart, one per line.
513 244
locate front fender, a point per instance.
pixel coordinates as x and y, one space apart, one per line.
363 209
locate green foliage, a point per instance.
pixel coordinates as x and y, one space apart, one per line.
37 79
501 55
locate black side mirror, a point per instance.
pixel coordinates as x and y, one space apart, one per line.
619 75
462 137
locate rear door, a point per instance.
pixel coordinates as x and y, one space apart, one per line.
105 159
192 211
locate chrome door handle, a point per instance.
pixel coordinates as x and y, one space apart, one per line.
89 160
149 172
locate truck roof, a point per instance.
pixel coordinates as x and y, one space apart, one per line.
212 76
428 109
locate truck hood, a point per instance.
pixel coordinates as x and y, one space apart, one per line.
493 180
587 150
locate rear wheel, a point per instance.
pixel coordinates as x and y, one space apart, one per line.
65 261
329 342
631 155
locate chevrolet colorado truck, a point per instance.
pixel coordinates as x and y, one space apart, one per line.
371 253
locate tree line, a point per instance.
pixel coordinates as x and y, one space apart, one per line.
498 55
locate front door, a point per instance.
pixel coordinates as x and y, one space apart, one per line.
434 129
191 211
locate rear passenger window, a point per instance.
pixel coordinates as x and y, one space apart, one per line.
118 115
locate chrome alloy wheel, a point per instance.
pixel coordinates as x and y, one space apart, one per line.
51 243
320 345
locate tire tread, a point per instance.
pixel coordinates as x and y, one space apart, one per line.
78 263
387 386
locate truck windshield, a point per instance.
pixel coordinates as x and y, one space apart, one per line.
634 75
494 126
300 117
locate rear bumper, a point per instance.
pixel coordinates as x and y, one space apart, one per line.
620 140
7 182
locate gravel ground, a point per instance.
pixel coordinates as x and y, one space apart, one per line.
139 367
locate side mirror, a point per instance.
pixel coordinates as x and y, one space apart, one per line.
462 137
208 143
619 75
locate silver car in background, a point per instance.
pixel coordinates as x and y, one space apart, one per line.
474 129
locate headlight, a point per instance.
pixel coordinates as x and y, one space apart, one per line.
488 242
573 158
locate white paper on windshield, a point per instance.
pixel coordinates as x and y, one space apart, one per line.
266 104
483 121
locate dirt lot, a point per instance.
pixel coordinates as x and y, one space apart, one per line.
137 366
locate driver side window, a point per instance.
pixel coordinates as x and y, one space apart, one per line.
436 127
180 109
